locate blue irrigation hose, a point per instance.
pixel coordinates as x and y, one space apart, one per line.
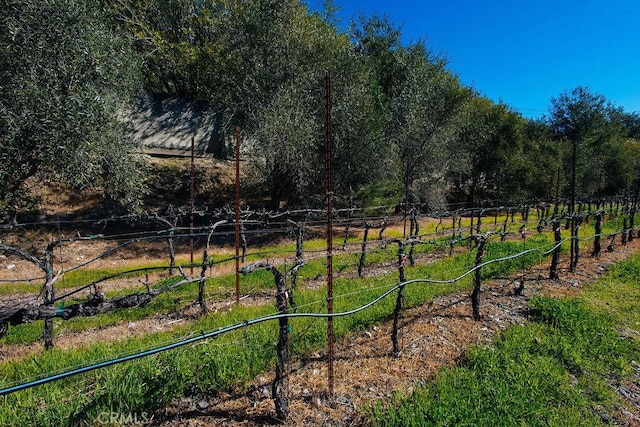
181 343
245 323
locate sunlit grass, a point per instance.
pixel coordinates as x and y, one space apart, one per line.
219 364
232 359
553 371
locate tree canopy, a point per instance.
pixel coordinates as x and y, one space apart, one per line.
403 124
65 77
606 157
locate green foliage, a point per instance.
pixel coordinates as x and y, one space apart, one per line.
493 159
382 192
606 163
540 163
285 133
378 40
179 41
361 156
142 385
398 112
579 339
65 77
617 295
527 377
424 106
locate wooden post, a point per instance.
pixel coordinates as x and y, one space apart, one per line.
402 259
553 273
481 241
364 250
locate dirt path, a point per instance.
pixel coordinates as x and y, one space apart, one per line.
433 335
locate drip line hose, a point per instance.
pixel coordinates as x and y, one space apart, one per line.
216 333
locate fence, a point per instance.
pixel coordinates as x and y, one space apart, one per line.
471 229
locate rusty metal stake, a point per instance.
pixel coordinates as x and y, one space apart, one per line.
191 199
237 203
329 195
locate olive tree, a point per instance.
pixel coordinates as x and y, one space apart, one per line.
423 112
182 43
596 132
65 78
284 145
279 97
490 156
362 157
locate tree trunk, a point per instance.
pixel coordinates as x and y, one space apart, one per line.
49 294
413 232
283 295
203 271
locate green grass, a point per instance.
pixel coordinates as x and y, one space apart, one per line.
220 364
552 371
80 277
221 287
140 385
617 294
232 359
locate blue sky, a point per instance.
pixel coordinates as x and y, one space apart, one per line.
525 52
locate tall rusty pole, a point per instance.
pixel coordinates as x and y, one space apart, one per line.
237 199
329 195
191 197
574 239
